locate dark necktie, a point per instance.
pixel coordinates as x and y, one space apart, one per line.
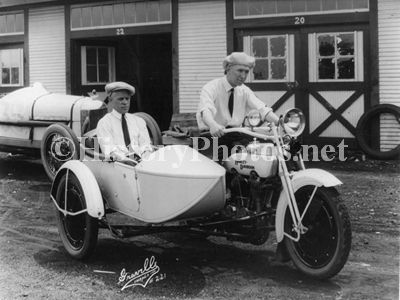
125 131
230 103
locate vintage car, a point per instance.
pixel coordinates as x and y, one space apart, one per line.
28 116
261 188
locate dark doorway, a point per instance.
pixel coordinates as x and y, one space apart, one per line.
144 61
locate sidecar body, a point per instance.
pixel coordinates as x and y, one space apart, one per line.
174 182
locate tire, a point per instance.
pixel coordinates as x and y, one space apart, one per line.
362 131
78 233
59 144
153 128
323 250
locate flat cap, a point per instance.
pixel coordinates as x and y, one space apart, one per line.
119 86
238 58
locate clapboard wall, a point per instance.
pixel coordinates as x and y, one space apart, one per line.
47 48
389 68
202 48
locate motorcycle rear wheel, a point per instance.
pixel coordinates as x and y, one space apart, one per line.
324 248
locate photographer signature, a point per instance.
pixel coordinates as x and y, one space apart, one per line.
141 277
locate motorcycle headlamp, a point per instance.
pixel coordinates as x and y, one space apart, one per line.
294 122
254 118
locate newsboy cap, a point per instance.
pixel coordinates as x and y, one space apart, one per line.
119 86
238 58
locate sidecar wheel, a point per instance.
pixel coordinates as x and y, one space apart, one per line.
323 250
78 233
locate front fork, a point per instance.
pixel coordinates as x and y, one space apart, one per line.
285 176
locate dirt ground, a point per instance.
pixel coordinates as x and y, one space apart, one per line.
33 264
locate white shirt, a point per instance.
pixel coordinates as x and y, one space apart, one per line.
214 97
111 138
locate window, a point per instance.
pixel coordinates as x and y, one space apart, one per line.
273 57
120 14
11 62
337 57
98 65
11 23
262 8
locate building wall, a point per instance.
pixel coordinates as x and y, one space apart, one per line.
202 47
47 48
389 68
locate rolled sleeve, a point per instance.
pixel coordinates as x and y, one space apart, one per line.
207 102
254 103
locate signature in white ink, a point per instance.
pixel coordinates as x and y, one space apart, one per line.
141 277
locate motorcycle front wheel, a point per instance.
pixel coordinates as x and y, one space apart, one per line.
324 248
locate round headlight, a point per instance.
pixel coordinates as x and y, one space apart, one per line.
294 122
254 118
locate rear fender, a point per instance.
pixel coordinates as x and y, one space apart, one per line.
91 190
315 177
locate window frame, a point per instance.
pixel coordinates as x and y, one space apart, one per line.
111 64
313 56
247 47
20 67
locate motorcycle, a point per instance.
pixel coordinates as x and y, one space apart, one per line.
261 187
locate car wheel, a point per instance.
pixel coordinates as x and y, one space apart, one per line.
59 145
153 128
78 232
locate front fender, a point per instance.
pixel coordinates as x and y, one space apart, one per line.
315 177
91 190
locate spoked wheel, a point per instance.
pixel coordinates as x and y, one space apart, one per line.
324 248
59 144
78 232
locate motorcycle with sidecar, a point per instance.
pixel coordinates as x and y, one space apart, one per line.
176 188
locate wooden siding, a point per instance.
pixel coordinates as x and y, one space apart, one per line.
202 48
47 48
389 68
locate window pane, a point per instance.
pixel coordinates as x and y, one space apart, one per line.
91 73
86 17
103 73
14 75
260 47
241 8
3 27
76 18
283 6
15 58
326 45
314 5
360 3
91 56
345 44
118 14
103 56
269 7
255 7
140 12
107 15
260 70
299 5
152 11
97 16
165 11
10 19
19 23
278 46
344 4
346 68
328 5
129 12
5 76
278 69
326 68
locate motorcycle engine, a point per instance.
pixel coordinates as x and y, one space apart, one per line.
251 179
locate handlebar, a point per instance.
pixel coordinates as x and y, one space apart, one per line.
248 131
